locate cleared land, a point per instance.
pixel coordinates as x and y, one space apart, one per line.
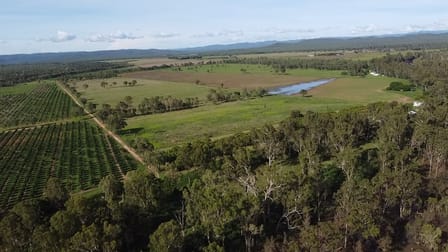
168 129
360 90
216 79
78 153
232 76
112 94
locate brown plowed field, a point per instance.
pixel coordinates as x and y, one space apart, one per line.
230 80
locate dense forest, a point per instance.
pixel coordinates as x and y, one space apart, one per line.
366 179
13 74
422 68
398 42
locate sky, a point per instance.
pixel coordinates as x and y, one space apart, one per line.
34 26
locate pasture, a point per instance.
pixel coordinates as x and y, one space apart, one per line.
112 94
168 129
234 75
211 120
360 90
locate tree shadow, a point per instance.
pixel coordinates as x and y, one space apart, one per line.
132 131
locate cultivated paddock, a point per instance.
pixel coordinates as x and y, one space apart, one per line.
229 80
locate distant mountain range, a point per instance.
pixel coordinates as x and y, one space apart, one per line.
417 40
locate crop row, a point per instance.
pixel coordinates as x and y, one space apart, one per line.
46 102
78 153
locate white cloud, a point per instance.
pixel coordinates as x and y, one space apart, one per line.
288 30
163 35
436 26
224 33
204 35
122 35
100 38
112 37
365 29
62 36
414 28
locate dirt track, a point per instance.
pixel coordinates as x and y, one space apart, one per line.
101 124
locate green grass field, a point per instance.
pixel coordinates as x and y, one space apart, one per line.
173 128
361 90
24 88
168 129
165 130
144 88
260 69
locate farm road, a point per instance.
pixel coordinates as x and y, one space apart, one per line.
103 126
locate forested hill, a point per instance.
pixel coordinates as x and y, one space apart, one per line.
64 57
406 41
424 40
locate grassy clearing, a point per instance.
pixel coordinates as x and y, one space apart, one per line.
24 88
229 80
234 75
173 128
144 88
245 69
169 129
360 90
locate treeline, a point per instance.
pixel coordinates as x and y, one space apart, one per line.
366 179
422 68
161 104
224 95
354 68
13 74
116 116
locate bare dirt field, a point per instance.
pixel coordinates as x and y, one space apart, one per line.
230 80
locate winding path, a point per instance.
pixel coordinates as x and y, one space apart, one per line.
103 126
